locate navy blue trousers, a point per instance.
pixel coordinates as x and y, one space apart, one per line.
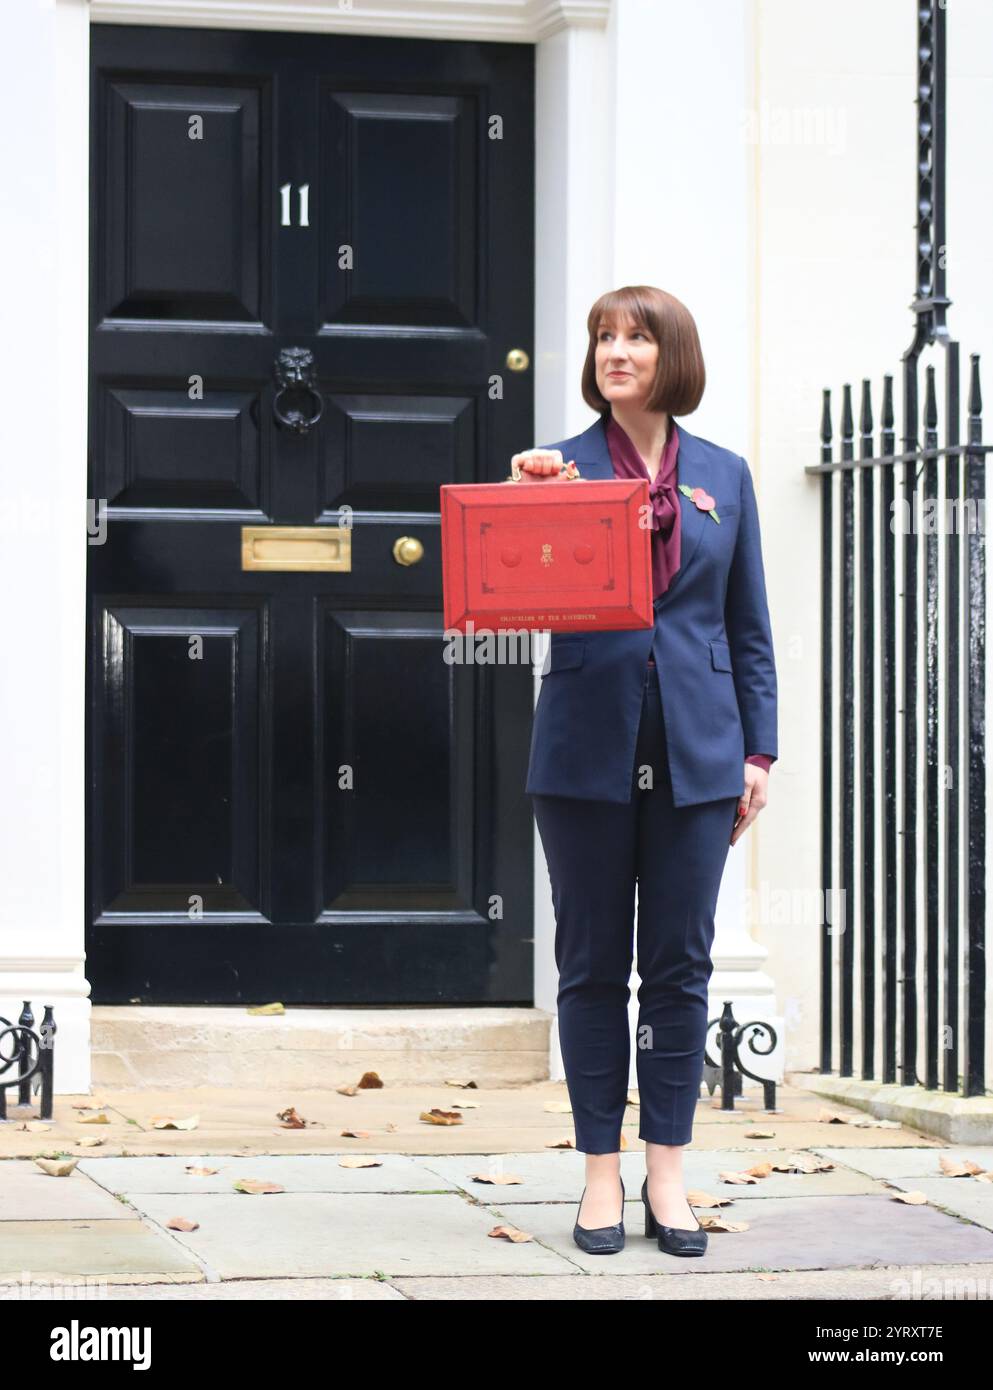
597 851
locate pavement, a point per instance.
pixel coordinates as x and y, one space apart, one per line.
820 1217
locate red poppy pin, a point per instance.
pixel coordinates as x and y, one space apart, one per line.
701 498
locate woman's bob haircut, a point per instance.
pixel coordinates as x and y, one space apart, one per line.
680 377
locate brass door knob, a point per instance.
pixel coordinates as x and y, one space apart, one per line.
518 360
407 550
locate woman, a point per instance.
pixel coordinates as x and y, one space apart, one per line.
649 757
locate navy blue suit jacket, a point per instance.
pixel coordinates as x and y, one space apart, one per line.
711 641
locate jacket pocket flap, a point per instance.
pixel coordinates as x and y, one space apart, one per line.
720 655
566 653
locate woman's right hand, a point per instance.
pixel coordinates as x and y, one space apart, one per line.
544 463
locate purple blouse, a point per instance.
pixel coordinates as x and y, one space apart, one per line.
664 498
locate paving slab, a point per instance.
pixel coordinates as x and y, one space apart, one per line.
306 1234
799 1133
792 1102
909 1162
559 1177
546 1177
888 1283
125 1250
230 1291
786 1233
959 1283
28 1193
510 1118
474 1137
961 1196
300 1173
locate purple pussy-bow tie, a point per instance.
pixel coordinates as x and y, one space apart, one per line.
664 500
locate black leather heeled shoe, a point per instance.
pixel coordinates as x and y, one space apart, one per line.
674 1240
602 1240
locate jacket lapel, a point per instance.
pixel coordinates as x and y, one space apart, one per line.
592 458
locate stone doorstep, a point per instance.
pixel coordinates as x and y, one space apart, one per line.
317 1048
953 1118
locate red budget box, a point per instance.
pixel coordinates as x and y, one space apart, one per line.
562 557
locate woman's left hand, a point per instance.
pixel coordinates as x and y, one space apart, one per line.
753 799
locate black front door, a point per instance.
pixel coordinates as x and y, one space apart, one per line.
311 255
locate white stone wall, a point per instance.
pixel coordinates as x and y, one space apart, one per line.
833 274
43 249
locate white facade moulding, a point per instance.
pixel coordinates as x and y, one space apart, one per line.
500 21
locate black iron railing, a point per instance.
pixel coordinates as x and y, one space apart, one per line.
931 746
26 1056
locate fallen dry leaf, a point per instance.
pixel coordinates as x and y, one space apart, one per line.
767 1278
440 1117
291 1120
100 1118
985 1177
182 1223
500 1179
832 1117
510 1233
256 1185
743 1179
259 1009
359 1161
759 1170
88 1141
37 1126
707 1199
560 1144
803 1163
721 1223
959 1167
465 1104
466 1085
167 1122
558 1107
633 1098
355 1133
760 1134
912 1199
195 1172
347 1090
370 1081
392 1126
57 1167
